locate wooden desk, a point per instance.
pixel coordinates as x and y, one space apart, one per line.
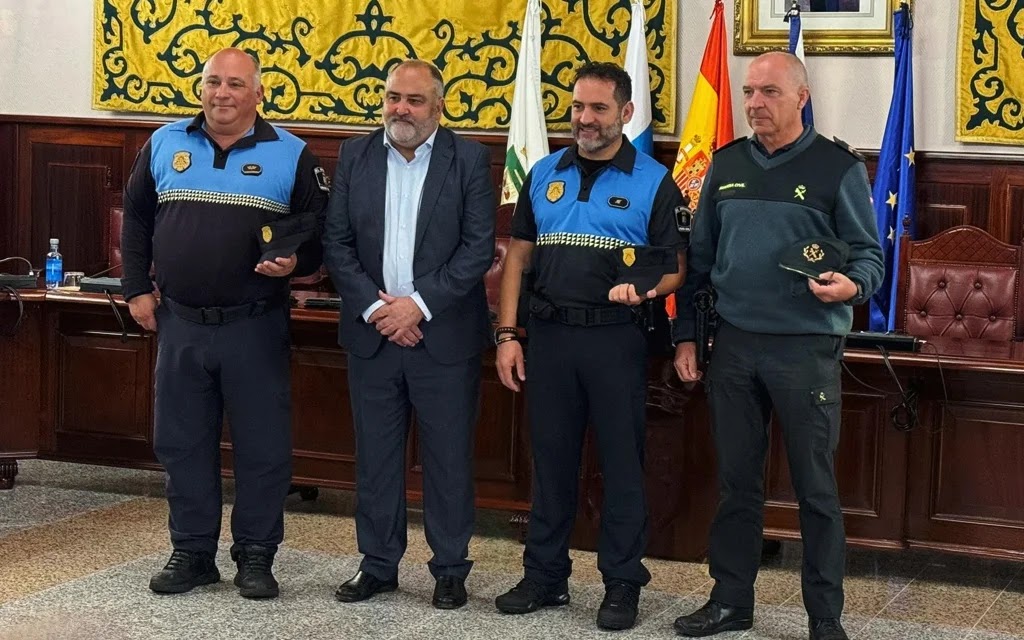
74 390
85 395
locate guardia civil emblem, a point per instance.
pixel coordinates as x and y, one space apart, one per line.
629 256
182 160
268 233
556 190
814 253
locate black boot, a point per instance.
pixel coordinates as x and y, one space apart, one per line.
528 596
826 629
254 578
619 607
184 571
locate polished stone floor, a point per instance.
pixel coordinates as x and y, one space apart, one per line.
78 543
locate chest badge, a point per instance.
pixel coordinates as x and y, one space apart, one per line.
182 160
251 169
628 256
618 202
556 190
268 233
800 192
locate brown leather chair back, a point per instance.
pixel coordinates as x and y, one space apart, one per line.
115 216
502 235
961 283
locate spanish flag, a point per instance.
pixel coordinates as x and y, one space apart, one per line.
709 122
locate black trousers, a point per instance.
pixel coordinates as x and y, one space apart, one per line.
446 398
202 372
576 375
799 377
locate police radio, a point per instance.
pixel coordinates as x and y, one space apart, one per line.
684 218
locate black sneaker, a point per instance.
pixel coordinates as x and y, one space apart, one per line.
826 629
254 578
184 571
620 605
528 596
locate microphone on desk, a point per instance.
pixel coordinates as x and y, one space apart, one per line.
10 283
108 287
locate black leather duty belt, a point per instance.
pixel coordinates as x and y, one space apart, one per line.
222 315
579 316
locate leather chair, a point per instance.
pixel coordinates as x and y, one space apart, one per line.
961 283
502 236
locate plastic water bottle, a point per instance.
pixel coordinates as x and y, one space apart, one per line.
54 265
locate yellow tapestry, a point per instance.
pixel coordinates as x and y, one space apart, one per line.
990 73
327 61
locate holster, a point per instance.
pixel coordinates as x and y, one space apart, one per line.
707 323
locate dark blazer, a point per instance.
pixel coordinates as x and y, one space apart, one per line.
454 243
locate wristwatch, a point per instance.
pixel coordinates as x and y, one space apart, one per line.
858 297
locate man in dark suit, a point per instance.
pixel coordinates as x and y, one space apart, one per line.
408 239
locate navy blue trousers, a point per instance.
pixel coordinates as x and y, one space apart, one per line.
575 376
446 398
241 369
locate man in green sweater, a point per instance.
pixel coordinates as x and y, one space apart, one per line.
780 340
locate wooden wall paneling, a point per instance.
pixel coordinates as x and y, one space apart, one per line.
944 205
65 177
1015 209
967 474
20 386
8 196
102 386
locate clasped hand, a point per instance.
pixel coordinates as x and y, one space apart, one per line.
398 320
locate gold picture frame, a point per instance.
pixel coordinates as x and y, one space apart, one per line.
759 27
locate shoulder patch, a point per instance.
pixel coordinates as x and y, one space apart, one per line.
846 147
729 144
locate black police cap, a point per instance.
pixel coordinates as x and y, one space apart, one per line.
643 266
282 237
814 256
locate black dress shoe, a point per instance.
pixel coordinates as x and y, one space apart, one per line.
619 608
528 596
255 578
827 629
363 586
714 617
449 592
184 571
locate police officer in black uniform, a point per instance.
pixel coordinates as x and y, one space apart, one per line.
587 356
201 197
780 337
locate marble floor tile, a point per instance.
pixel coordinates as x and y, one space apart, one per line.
38 558
31 505
881 629
1007 613
940 604
790 623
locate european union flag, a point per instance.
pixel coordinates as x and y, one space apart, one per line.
894 178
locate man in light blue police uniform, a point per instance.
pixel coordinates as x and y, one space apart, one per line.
202 195
582 212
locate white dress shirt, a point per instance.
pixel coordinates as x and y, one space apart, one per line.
401 209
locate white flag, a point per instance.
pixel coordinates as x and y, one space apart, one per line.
528 132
